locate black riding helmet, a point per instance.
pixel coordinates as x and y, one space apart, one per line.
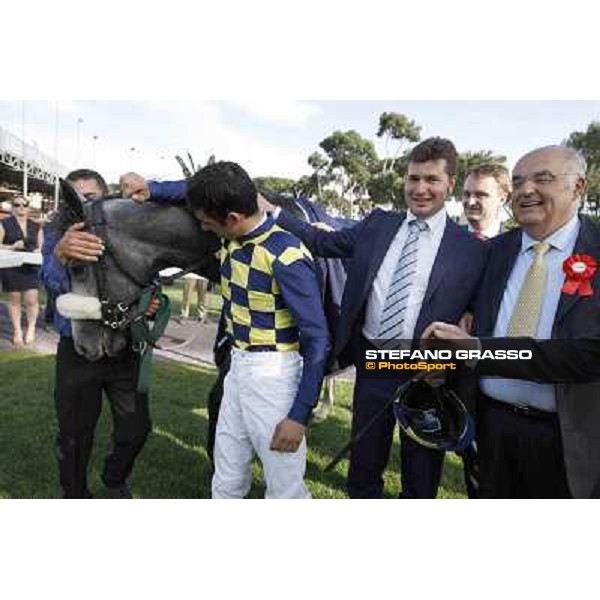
434 417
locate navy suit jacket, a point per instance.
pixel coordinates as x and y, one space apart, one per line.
571 359
454 279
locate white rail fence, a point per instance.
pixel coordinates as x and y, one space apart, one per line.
16 155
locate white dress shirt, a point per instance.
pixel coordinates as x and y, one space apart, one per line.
428 245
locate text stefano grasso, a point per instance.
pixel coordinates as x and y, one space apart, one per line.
579 270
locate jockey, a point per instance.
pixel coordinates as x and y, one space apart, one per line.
331 273
274 319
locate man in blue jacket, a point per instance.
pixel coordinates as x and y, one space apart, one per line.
406 269
79 383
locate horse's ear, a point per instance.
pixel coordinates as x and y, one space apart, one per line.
71 202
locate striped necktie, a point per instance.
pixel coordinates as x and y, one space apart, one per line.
526 314
391 324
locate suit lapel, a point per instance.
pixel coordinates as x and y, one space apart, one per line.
446 258
587 243
385 236
504 255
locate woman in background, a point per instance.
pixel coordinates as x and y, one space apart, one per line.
20 233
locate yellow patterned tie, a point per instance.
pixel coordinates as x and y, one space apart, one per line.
526 314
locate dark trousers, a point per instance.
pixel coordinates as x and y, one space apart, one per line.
520 456
222 356
50 309
420 467
596 490
215 397
471 469
78 397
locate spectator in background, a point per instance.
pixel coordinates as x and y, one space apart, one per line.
194 284
20 233
485 193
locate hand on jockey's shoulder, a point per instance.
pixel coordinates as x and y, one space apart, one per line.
264 205
76 244
322 226
134 186
287 436
152 307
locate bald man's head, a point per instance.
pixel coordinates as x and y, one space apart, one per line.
547 186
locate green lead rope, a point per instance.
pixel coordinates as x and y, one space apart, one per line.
146 333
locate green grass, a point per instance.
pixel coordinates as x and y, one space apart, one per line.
174 463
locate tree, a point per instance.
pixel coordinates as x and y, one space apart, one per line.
191 168
397 127
278 185
588 143
352 159
387 188
468 160
331 200
306 186
319 165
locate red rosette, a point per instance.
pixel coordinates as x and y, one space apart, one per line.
579 270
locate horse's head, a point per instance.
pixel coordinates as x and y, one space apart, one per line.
140 240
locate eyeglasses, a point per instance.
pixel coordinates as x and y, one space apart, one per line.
20 204
539 178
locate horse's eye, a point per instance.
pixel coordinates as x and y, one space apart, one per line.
77 270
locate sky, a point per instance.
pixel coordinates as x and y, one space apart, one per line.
270 137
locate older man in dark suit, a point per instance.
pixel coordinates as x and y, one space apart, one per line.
539 420
408 269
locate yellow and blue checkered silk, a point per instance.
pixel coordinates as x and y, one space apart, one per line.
256 316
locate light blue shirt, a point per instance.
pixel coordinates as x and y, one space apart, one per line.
562 243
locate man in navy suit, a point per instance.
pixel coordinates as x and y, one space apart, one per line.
407 270
539 419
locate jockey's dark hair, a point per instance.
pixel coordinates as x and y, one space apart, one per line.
88 174
220 189
436 148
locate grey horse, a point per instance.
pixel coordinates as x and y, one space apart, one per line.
140 240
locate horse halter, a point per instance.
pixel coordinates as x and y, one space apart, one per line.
120 314
114 313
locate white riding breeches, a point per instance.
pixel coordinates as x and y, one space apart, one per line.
258 393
